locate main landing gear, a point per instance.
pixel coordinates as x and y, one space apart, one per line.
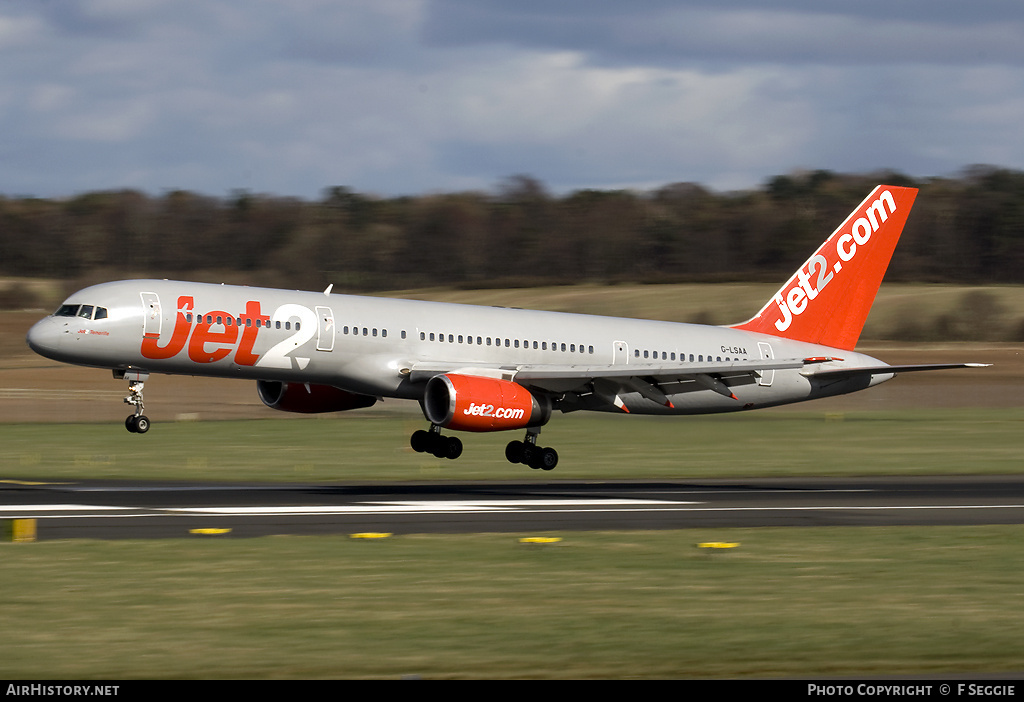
436 443
137 423
526 452
529 453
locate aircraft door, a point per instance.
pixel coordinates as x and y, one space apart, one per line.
151 315
620 352
325 329
767 376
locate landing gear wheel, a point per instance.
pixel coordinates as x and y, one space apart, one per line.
530 454
514 452
420 441
433 442
137 424
546 459
452 448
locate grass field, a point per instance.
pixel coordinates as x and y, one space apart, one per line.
590 447
788 602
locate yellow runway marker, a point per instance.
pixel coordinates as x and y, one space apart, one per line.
540 540
717 545
29 482
371 535
209 532
19 531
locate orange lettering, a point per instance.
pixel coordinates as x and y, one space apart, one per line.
202 335
150 347
251 319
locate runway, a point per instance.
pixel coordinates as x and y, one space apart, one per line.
141 510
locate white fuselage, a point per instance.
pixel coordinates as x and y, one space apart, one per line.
374 346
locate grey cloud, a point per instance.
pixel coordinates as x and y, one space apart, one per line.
670 33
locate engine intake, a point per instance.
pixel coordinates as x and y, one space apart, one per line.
471 403
309 399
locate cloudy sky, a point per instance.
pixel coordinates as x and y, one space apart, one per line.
416 96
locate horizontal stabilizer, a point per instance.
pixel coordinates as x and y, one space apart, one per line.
886 370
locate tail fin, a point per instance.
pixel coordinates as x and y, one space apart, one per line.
828 299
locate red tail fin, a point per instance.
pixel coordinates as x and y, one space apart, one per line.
829 297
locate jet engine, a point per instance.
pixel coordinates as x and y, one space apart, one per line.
308 398
471 403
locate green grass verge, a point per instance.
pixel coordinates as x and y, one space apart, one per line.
788 602
375 447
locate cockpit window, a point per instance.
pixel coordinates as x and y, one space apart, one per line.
83 311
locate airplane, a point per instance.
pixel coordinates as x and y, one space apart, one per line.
484 369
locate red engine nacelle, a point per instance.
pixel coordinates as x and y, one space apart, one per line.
309 399
470 403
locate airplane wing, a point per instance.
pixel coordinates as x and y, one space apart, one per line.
651 380
655 381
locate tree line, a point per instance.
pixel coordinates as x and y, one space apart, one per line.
965 229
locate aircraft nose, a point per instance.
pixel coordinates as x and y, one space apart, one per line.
44 337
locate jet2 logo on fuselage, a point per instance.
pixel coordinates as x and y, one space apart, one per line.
206 345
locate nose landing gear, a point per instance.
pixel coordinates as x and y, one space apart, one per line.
137 423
